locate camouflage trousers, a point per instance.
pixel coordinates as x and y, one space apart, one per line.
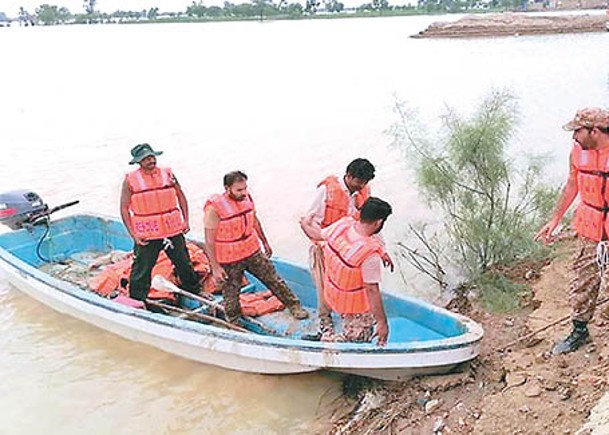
357 328
316 265
587 281
262 268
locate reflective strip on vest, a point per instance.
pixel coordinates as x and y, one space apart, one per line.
236 238
592 172
337 200
344 255
154 204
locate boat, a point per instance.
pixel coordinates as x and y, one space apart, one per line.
424 339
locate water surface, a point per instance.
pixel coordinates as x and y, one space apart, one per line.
287 102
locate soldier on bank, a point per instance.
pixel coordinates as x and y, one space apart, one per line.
588 177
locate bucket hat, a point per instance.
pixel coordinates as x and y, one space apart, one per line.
141 151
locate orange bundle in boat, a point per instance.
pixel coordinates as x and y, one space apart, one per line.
111 277
259 303
115 277
105 282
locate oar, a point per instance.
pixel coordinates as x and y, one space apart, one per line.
160 283
198 316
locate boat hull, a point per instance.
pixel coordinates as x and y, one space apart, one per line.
248 352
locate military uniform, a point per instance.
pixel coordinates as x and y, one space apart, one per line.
586 282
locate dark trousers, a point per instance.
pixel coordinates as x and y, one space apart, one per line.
262 268
145 257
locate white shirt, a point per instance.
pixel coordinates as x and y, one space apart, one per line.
318 208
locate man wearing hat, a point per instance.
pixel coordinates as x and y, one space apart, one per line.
155 212
588 177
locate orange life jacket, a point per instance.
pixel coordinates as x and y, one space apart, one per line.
116 276
154 204
259 303
236 237
592 172
337 200
344 254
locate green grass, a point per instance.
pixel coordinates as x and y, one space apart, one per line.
498 293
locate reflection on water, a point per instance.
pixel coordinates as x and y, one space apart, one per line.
288 103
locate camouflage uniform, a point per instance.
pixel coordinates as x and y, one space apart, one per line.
357 328
262 268
586 282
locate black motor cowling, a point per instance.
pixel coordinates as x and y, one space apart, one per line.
20 207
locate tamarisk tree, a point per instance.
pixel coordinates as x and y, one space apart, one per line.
491 204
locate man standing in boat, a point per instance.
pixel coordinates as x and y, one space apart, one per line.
352 276
233 235
337 197
155 212
588 176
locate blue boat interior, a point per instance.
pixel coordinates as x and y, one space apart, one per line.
410 320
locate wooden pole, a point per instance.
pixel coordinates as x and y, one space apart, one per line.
160 283
197 316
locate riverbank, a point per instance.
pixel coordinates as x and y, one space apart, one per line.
522 389
510 24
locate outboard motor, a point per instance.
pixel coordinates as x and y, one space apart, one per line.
22 208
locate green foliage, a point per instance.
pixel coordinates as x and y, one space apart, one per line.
334 6
196 10
311 6
491 204
89 6
152 13
296 9
499 294
49 15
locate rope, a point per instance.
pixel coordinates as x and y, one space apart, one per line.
167 244
602 256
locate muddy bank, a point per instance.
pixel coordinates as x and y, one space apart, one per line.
522 389
510 24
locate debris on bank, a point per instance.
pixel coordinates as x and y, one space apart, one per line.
511 24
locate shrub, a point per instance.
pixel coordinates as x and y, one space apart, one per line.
491 204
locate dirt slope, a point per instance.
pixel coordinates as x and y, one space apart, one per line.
509 24
523 390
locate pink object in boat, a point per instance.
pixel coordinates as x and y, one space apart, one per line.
125 300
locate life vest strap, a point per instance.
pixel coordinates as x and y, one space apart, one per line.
240 239
597 173
336 286
236 215
154 214
351 266
604 209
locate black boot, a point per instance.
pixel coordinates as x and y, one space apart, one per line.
578 336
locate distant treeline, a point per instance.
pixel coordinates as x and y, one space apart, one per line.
47 14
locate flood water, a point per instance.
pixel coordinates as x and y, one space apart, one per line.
286 102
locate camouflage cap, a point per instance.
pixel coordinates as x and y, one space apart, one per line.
589 117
